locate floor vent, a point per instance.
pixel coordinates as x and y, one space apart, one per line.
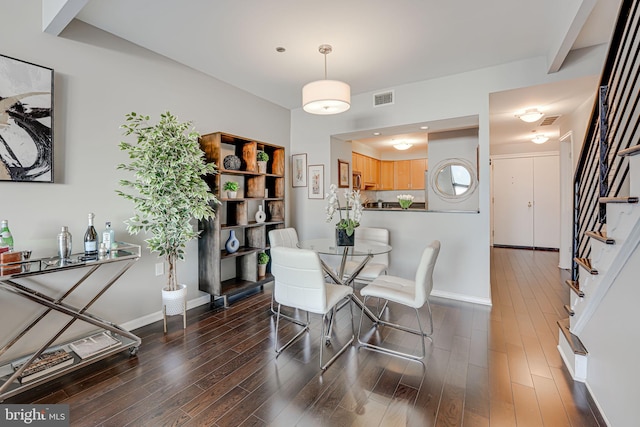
385 98
549 120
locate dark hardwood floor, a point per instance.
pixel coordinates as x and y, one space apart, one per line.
487 366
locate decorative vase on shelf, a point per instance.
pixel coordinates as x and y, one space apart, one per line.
261 216
262 167
232 163
343 239
233 244
262 270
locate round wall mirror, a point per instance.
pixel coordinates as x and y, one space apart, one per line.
454 179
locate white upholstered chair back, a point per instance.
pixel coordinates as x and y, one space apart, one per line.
380 235
424 273
287 237
299 279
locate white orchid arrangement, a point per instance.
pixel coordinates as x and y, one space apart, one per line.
353 209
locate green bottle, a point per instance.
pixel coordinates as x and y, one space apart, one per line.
5 235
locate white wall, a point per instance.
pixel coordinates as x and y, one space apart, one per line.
463 267
98 79
443 147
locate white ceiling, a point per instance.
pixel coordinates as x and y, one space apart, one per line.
377 44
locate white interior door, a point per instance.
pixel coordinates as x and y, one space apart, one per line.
546 194
513 201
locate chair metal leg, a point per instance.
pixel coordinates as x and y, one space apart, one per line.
298 335
343 348
289 318
386 350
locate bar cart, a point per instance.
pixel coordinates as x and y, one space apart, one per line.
15 278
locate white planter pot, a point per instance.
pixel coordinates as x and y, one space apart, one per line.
262 270
262 167
174 302
231 194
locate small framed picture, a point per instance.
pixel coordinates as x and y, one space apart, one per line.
316 181
299 170
343 174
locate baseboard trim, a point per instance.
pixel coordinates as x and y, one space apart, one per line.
154 317
461 297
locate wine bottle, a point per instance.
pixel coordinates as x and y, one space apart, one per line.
91 239
108 236
5 235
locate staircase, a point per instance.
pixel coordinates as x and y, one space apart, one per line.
610 249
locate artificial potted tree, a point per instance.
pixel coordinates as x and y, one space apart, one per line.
168 190
263 259
231 187
262 159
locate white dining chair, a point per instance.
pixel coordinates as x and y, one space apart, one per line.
300 284
282 237
411 293
378 265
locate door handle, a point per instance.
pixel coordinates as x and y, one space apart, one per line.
529 204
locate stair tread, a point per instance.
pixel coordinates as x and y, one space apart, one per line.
568 309
631 151
601 236
586 264
575 287
623 199
574 341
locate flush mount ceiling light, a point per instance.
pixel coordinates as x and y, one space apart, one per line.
531 115
326 96
539 138
402 146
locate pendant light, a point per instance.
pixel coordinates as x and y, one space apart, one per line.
326 96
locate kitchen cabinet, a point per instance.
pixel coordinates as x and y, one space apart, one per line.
357 165
402 175
418 166
223 274
371 174
386 175
369 167
409 174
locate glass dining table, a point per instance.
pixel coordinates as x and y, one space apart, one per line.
362 249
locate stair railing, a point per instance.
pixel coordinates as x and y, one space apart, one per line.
614 126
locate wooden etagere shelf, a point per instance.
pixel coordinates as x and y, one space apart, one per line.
222 274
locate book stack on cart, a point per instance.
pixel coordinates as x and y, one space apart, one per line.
47 362
57 358
95 344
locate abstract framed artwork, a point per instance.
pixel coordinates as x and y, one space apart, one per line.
343 174
299 170
26 121
316 181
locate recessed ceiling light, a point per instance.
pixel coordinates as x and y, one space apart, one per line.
424 127
280 49
377 133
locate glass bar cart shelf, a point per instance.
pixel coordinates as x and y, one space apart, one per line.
15 278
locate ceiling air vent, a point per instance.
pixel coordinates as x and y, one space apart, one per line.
549 120
385 98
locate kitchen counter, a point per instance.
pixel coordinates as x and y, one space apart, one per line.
394 206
